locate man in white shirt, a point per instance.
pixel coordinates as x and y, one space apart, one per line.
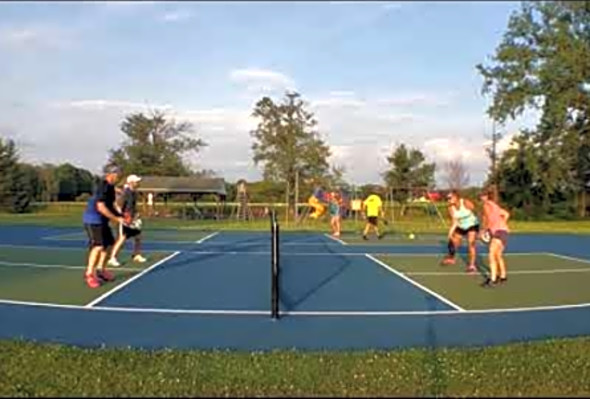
129 229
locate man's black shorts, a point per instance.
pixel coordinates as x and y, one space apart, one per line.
373 220
129 232
99 235
464 233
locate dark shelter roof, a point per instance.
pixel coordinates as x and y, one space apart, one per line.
182 185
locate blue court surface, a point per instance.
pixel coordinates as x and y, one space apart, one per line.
214 292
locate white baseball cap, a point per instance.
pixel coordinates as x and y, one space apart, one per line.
133 179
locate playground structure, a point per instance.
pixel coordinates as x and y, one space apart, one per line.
318 202
418 204
242 211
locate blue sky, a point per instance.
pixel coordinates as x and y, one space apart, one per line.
376 74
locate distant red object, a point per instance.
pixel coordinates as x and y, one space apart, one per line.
434 196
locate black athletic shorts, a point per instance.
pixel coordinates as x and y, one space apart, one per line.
128 232
501 235
373 220
99 235
464 233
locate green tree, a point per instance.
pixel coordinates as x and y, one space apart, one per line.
67 182
155 146
286 141
31 175
49 183
408 170
518 173
15 190
543 63
84 181
21 191
8 166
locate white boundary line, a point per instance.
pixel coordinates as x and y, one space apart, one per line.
202 240
65 237
132 279
565 257
409 280
409 274
83 249
40 266
548 271
237 312
258 253
338 240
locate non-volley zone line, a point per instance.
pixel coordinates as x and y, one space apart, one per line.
354 252
57 266
132 279
416 284
409 274
205 240
319 313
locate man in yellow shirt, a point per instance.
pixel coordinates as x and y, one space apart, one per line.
373 208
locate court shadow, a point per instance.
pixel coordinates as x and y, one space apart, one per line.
300 279
480 262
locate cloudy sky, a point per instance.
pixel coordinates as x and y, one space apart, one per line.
376 74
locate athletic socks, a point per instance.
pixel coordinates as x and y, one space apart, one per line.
451 248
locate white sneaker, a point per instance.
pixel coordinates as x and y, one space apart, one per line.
114 262
139 259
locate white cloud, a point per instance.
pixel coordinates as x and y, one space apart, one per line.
360 131
33 37
83 131
100 105
394 5
338 102
450 148
262 80
126 4
418 99
176 16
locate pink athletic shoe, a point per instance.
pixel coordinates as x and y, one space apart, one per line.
105 275
92 281
448 261
471 269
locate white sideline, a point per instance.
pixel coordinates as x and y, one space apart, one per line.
132 279
202 240
429 291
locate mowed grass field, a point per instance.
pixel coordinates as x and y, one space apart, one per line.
551 368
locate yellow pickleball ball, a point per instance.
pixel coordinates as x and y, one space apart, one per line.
411 236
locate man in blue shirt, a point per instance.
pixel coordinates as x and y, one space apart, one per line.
100 209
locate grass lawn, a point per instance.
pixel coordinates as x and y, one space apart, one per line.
551 368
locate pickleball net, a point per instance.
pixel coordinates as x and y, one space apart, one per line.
275 265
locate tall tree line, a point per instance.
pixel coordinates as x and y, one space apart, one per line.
543 64
22 183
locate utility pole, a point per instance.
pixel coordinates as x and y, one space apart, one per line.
296 194
494 153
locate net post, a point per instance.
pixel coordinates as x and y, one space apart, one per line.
274 266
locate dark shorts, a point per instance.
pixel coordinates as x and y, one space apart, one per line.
99 235
501 235
129 232
464 233
373 220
